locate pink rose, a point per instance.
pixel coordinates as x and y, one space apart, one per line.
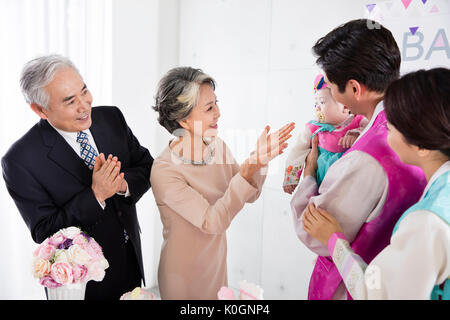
41 268
48 282
38 248
225 293
97 270
70 232
80 240
77 255
62 273
46 252
57 239
79 273
94 250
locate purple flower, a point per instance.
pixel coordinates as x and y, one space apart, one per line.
86 236
66 244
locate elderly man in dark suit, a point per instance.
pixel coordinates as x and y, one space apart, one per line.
59 175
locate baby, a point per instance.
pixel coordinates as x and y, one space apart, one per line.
336 129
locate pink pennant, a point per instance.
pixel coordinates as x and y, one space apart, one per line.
434 9
406 3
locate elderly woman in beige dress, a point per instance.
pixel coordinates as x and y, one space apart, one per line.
198 185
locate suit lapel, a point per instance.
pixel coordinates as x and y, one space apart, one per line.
63 155
103 141
100 134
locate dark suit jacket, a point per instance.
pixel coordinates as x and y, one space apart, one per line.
51 186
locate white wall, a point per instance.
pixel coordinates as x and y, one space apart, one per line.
135 74
78 29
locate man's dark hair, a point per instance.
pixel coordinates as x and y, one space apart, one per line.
362 50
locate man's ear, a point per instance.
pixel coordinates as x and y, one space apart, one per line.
40 111
356 89
422 153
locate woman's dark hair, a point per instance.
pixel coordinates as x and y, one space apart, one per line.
362 50
418 106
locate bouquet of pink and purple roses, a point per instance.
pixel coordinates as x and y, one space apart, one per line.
69 258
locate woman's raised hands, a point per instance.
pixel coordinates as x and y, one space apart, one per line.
269 146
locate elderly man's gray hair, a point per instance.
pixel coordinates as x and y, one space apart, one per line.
38 73
177 95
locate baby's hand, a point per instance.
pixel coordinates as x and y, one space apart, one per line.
348 140
289 188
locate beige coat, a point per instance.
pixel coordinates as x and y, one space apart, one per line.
197 204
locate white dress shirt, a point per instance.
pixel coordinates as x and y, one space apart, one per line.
71 139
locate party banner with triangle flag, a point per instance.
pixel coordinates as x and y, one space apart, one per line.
370 7
406 3
420 27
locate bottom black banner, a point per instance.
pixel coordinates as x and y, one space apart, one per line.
183 310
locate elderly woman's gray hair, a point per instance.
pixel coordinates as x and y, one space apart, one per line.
38 73
177 95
